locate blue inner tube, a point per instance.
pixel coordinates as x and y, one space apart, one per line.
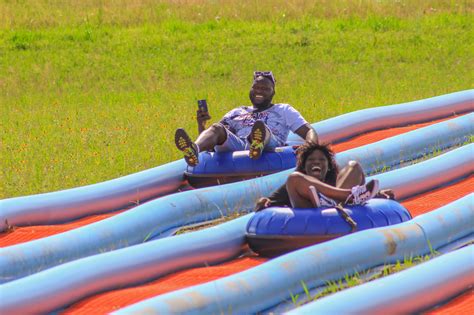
278 230
228 167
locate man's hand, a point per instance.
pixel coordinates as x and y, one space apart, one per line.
201 118
262 203
386 193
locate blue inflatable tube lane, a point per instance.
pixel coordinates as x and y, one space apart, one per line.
406 292
351 124
120 193
158 217
66 205
266 285
418 143
449 166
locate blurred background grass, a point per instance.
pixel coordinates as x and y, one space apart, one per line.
93 90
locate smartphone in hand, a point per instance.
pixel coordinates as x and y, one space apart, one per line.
202 115
202 105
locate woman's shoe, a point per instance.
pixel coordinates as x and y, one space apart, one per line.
362 193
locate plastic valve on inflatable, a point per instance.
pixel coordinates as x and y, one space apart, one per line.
277 230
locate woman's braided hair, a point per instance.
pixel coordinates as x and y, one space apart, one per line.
306 149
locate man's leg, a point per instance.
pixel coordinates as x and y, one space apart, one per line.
351 175
216 134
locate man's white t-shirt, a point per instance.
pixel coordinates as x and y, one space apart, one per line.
280 119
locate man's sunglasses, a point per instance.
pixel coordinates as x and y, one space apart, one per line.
265 74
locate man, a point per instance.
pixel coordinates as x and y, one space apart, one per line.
261 127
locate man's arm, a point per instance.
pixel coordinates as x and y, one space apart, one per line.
308 133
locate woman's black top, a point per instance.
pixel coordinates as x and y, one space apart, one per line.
280 198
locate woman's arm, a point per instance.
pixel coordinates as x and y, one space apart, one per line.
279 198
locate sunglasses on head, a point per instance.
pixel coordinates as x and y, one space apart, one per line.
265 74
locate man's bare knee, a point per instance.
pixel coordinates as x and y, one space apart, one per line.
218 128
219 131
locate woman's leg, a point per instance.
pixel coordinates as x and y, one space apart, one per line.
351 175
300 195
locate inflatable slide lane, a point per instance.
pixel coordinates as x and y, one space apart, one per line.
51 273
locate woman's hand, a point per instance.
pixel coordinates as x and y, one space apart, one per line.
201 118
386 193
262 203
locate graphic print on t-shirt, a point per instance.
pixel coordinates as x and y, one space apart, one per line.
280 119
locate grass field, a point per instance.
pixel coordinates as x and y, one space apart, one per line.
93 90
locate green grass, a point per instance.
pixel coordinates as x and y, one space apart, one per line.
432 152
91 91
352 280
211 223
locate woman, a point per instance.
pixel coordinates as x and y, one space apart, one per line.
317 182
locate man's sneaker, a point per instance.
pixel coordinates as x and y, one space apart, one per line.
183 142
257 138
360 194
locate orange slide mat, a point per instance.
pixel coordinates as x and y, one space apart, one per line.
116 299
463 304
24 234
